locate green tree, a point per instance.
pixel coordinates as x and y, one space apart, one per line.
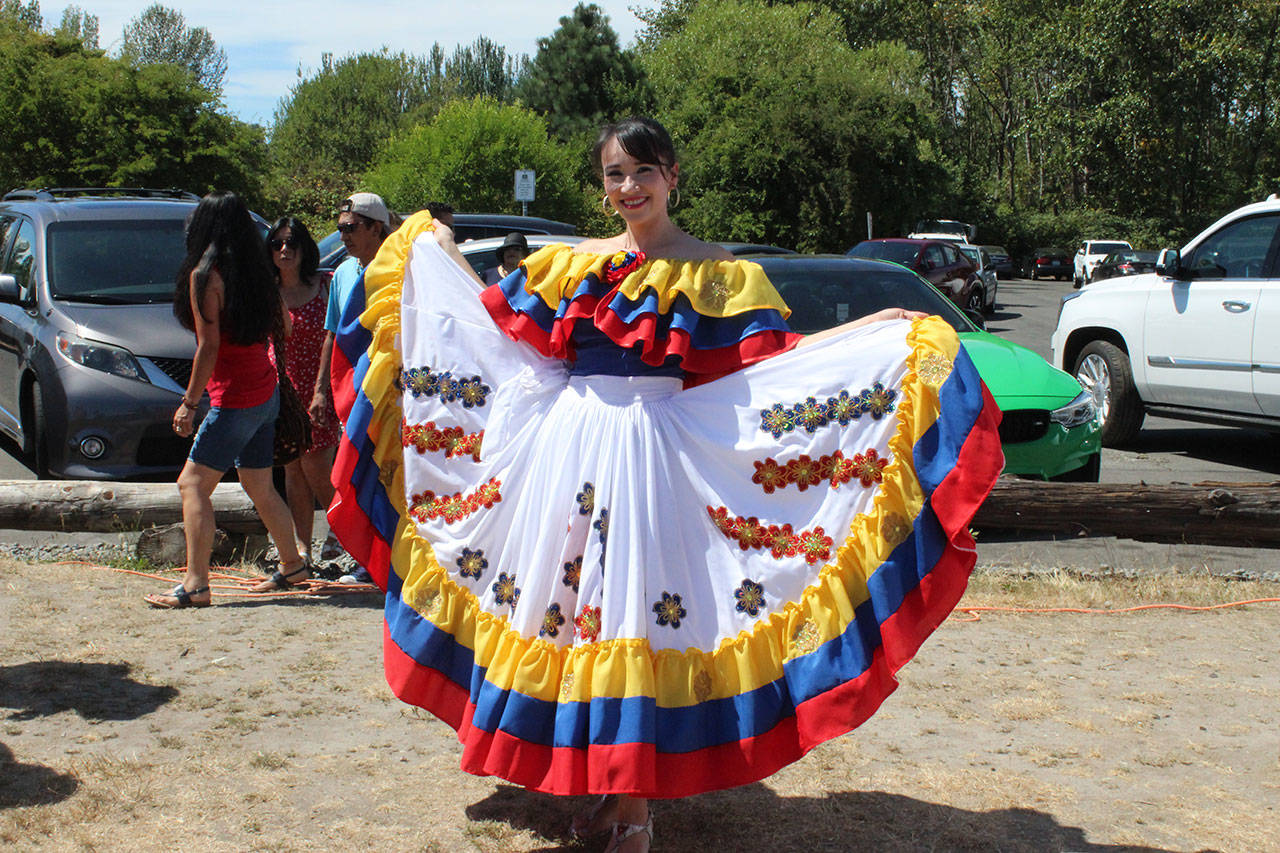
480 68
580 78
789 135
25 16
161 35
75 117
79 25
467 155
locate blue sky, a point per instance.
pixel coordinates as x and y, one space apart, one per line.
267 42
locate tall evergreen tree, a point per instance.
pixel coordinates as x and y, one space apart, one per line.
580 77
161 35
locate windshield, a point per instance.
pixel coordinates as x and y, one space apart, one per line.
899 253
822 293
970 252
115 262
329 244
1107 248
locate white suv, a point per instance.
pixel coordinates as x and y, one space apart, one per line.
1199 339
1090 254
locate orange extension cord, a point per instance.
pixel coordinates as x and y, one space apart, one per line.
239 585
974 611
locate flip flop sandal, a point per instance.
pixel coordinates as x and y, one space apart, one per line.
580 827
281 578
623 831
183 597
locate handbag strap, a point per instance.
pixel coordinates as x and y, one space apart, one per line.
277 342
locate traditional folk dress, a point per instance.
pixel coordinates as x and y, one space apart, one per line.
638 583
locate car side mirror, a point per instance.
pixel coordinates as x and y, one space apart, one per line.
1169 263
9 289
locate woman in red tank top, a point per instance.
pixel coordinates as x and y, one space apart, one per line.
294 258
227 295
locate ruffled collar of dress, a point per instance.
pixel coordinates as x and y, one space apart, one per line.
715 288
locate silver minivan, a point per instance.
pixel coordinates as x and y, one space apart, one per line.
92 361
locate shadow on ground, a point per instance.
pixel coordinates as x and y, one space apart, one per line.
755 818
1238 447
31 784
95 691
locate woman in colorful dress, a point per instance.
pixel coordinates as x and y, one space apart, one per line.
637 540
228 297
294 257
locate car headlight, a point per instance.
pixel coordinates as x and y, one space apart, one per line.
1073 295
1079 411
100 356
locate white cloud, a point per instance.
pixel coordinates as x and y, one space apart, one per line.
267 42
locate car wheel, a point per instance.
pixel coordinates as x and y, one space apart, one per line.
1103 370
977 301
35 443
1089 472
1076 282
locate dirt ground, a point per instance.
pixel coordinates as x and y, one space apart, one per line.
265 724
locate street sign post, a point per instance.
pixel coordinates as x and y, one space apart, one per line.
526 179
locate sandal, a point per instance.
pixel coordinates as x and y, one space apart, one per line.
280 579
584 823
181 596
623 831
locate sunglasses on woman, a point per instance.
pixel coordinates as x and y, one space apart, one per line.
278 244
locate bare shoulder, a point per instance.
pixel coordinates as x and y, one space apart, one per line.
600 246
693 249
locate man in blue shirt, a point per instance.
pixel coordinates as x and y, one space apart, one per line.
364 222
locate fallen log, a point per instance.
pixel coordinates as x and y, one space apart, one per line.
1242 514
97 507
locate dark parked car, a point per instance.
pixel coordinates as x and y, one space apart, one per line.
92 361
1127 262
937 261
1000 261
466 226
1049 263
738 249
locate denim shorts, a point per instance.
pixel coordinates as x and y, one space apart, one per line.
242 437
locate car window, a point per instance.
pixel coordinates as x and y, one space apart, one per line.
822 296
899 253
1107 248
22 258
131 261
971 253
6 222
1238 250
934 258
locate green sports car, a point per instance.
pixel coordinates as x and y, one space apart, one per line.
1050 429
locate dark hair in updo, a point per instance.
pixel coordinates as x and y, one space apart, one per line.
642 138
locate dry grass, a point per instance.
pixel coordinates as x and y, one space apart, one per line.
1069 589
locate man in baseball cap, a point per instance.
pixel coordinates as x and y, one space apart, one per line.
368 205
364 222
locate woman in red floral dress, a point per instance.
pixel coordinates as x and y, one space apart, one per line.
295 256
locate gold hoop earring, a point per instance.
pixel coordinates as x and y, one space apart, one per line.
672 205
609 210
